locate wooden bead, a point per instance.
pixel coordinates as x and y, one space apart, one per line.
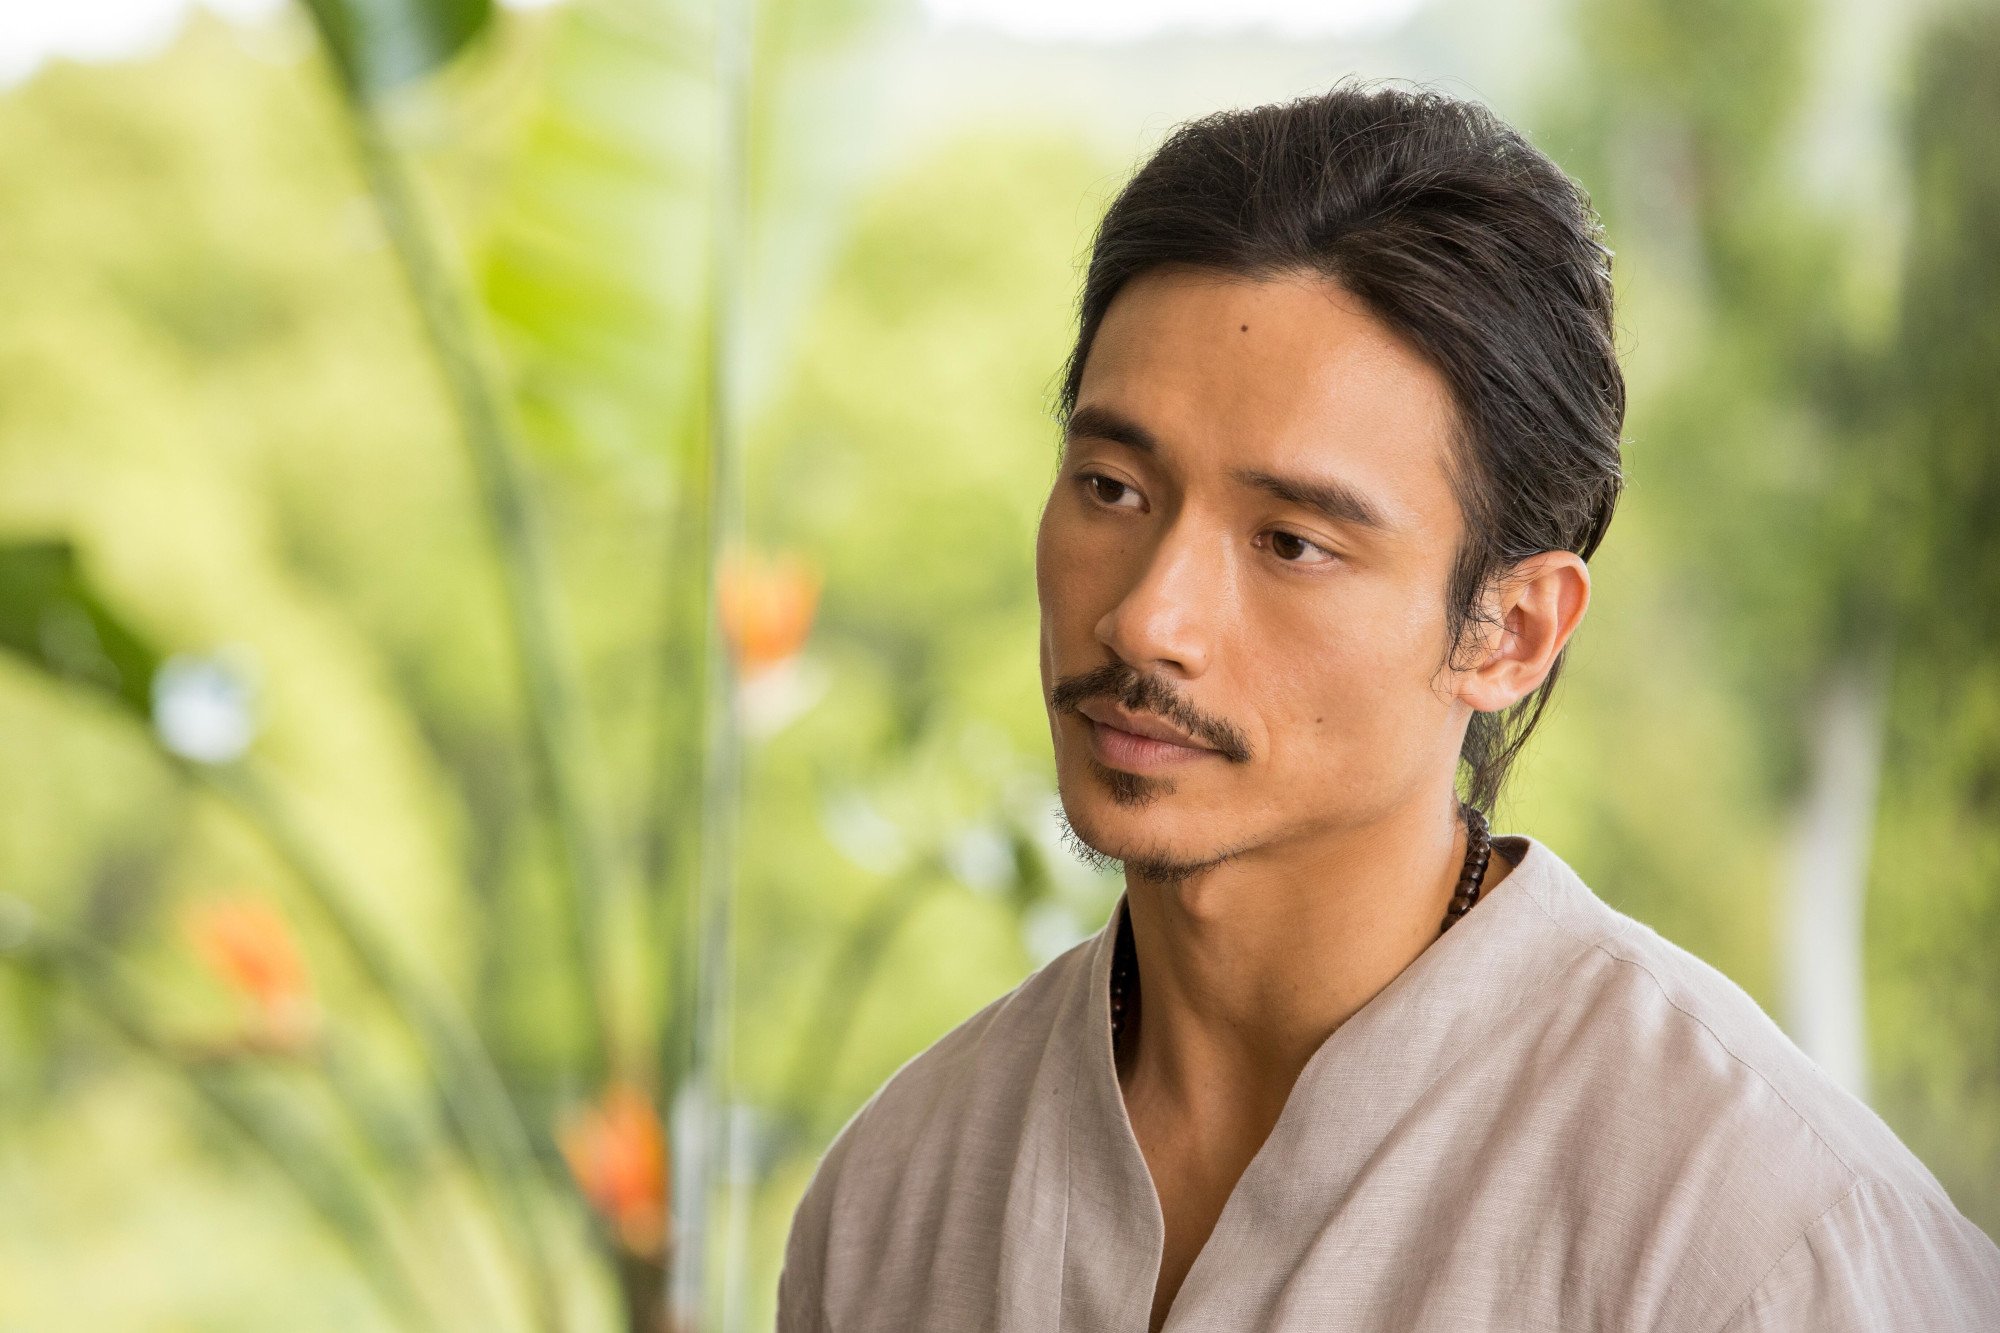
1478 852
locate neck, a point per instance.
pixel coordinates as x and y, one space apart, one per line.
1247 968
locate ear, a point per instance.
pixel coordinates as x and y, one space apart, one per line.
1535 606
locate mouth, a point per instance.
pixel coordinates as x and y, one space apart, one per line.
1137 742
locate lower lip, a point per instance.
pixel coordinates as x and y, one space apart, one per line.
1122 749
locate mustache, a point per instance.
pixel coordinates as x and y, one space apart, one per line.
1149 694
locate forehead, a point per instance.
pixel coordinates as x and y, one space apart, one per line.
1289 374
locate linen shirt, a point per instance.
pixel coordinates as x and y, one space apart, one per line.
1553 1118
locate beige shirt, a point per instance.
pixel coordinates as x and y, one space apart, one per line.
1552 1119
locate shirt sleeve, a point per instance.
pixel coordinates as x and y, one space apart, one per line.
1880 1259
801 1277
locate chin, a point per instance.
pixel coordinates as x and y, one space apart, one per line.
1113 820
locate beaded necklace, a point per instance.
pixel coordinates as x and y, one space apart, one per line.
1478 851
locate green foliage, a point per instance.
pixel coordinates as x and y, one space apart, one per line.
1726 73
198 426
255 448
1937 1025
378 45
1752 373
592 255
1948 554
1826 468
50 615
908 456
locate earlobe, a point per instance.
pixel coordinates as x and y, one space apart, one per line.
1539 605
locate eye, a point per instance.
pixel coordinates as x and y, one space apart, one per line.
1109 491
1293 549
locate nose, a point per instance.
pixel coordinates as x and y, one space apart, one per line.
1164 622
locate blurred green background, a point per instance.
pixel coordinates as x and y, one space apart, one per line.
519 707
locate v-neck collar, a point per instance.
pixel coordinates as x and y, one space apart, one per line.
1520 935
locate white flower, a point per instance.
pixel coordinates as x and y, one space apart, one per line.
202 705
864 835
770 699
1048 928
981 858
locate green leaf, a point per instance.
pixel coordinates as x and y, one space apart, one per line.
382 44
50 615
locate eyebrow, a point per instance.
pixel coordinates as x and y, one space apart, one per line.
1101 423
1335 501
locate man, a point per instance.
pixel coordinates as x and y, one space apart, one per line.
1341 429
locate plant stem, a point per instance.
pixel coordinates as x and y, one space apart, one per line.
300 1162
710 948
846 982
678 712
489 1129
556 719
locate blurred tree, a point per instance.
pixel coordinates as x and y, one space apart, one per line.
1935 919
1772 432
1755 377
377 52
902 864
218 394
486 1129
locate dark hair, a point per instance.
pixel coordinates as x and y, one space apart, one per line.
1469 243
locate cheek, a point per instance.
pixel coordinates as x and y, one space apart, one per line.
1048 559
1046 597
1353 668
1069 566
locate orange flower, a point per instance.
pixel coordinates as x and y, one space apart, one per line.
247 944
619 1158
767 607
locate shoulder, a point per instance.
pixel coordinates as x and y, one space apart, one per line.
1756 1166
952 1116
975 1071
1686 1032
1879 1257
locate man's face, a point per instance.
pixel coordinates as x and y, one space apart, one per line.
1246 552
